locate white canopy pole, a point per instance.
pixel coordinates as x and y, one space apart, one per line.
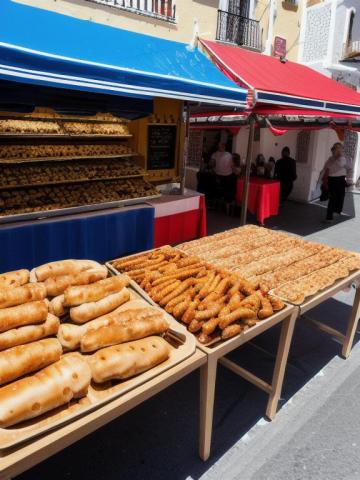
186 148
245 193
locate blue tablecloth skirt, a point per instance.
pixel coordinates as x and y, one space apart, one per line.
97 236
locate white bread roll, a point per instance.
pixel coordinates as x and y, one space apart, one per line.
15 278
121 332
94 292
26 314
30 292
70 335
129 359
29 333
18 361
89 311
56 306
63 267
50 388
57 285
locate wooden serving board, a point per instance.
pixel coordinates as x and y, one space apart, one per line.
182 344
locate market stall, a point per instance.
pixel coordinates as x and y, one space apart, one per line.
178 218
88 129
284 89
263 199
300 272
59 382
223 312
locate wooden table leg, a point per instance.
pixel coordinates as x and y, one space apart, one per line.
207 396
286 334
352 325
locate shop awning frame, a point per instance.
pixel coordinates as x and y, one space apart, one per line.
49 49
282 83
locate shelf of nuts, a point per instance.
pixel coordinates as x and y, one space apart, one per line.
16 153
51 162
49 173
52 197
58 127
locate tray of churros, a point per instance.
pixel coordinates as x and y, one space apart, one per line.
72 339
214 304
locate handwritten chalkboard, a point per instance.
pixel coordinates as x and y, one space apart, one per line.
161 147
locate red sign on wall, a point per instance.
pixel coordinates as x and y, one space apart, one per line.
280 47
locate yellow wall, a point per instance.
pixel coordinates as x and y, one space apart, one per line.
187 12
286 24
165 112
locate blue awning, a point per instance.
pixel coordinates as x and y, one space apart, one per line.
45 48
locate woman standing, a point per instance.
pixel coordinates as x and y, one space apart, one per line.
336 170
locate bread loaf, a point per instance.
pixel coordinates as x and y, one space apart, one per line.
129 359
18 361
52 387
89 311
14 279
121 332
57 285
94 292
70 335
29 333
56 306
63 267
11 296
26 314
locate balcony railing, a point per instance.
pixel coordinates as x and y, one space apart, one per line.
160 9
240 30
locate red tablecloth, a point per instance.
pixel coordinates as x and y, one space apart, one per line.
264 197
179 218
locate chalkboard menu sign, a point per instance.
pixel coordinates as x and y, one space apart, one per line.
161 147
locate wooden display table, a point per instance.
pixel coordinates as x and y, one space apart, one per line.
346 339
17 460
217 354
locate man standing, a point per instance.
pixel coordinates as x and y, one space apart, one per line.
223 166
285 171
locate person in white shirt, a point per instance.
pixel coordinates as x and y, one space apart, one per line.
336 171
223 161
223 166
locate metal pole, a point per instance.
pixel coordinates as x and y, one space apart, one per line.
245 193
186 148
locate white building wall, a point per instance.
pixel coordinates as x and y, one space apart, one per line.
323 36
316 33
240 142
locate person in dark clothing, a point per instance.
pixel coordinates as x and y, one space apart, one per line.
285 171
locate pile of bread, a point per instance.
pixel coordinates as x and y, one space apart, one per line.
56 151
29 126
45 127
83 128
44 198
214 303
45 363
53 171
290 267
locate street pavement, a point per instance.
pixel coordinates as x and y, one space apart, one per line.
315 435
